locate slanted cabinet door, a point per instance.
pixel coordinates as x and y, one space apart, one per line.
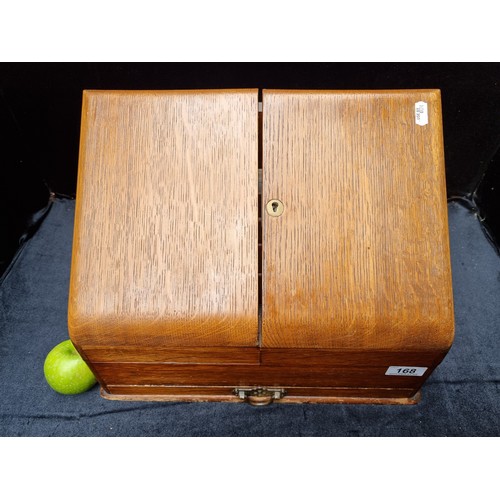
359 256
165 247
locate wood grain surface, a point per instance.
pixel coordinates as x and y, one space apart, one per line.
180 355
360 257
353 377
166 226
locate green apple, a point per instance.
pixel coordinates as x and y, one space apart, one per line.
65 370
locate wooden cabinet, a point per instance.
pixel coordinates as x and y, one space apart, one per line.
324 279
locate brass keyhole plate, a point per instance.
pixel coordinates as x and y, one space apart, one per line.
275 208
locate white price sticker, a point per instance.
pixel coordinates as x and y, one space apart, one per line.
421 115
406 371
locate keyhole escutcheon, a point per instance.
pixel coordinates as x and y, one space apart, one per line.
275 208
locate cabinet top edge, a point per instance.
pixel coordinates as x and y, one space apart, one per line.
350 92
116 92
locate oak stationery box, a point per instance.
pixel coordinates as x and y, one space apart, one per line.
294 249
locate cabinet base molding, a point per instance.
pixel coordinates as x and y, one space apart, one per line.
297 395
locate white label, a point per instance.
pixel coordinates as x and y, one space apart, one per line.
406 371
421 115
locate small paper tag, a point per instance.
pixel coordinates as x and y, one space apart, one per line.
421 115
406 371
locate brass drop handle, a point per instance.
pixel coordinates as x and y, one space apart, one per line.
259 396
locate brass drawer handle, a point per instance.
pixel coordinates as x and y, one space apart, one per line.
259 396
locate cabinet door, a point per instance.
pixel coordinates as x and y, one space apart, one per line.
359 258
165 246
